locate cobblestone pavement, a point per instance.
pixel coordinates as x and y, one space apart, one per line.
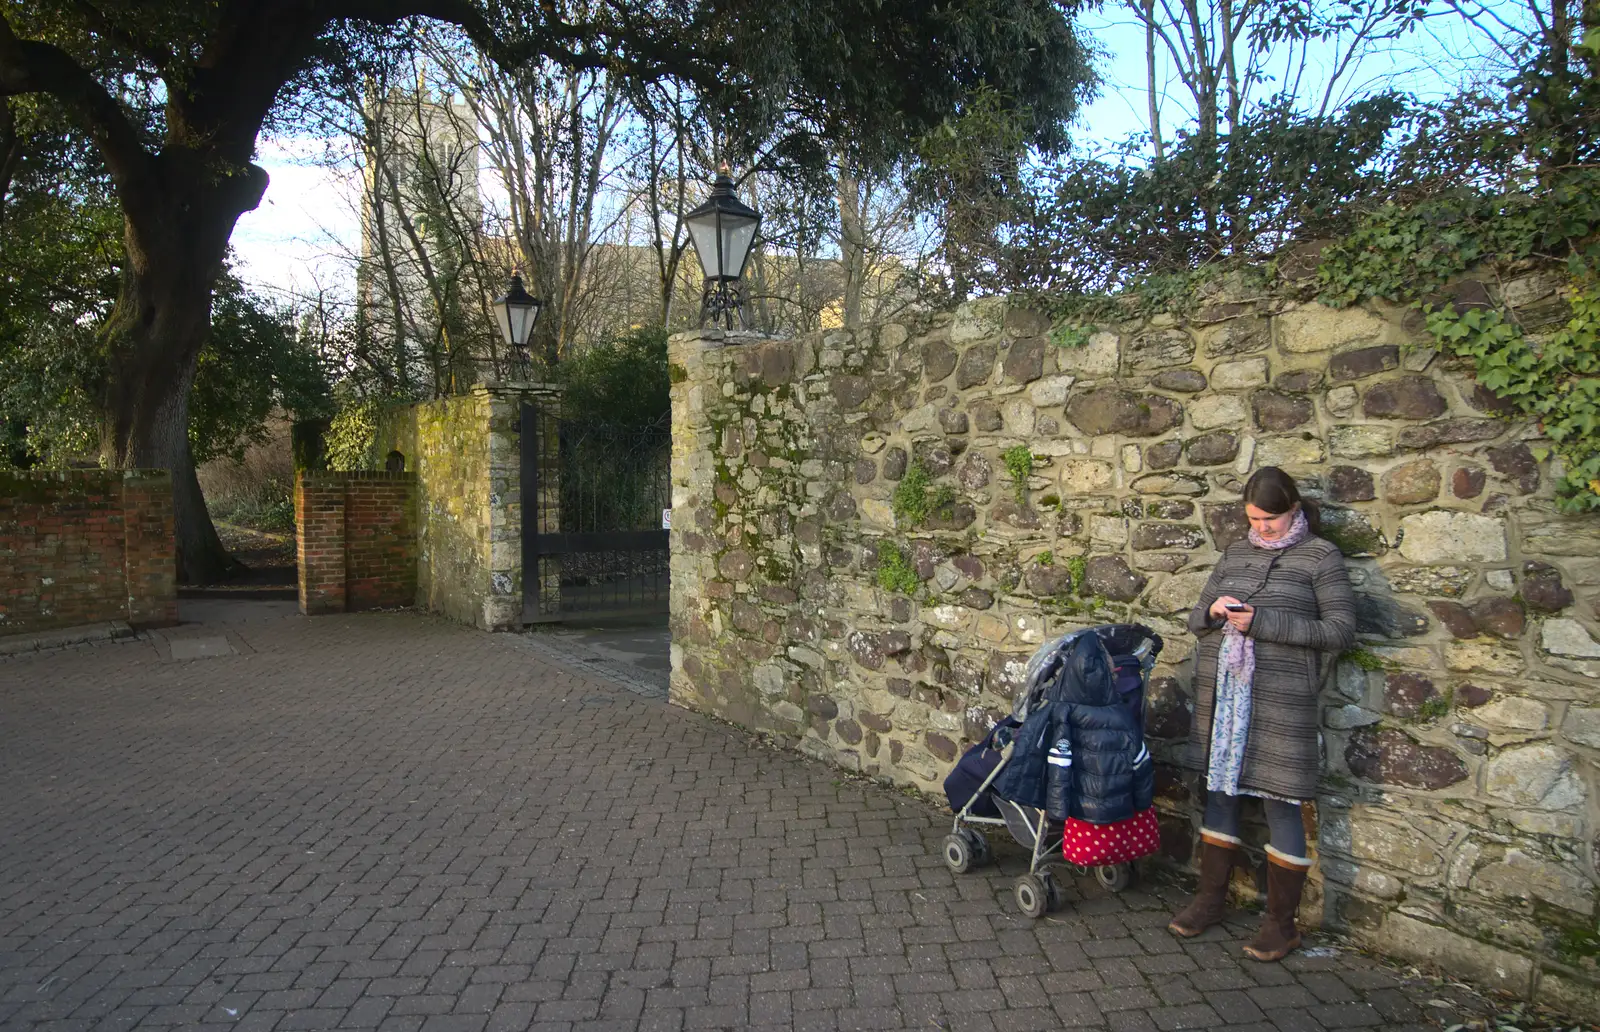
384 821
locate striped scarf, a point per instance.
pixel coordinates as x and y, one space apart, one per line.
1236 672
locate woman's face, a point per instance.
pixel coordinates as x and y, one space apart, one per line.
1270 527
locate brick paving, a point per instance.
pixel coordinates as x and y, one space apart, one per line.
387 822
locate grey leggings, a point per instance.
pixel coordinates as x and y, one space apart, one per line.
1287 832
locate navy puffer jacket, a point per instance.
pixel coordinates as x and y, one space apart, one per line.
1083 754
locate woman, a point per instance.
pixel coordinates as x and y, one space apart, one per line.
1272 605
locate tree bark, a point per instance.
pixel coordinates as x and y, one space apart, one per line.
176 237
852 244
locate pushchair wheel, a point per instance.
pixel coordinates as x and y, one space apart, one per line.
1055 898
1034 894
1115 877
981 853
958 854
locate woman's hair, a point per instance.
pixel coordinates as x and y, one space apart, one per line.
1273 491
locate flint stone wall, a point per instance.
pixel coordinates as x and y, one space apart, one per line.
1457 822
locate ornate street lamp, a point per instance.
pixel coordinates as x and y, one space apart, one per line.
723 230
516 313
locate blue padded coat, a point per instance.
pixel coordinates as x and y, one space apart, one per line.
1083 754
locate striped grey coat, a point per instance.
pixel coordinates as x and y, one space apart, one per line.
1304 607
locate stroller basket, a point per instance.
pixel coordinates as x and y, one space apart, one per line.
1133 649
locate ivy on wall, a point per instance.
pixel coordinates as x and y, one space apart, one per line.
1408 254
1556 381
352 436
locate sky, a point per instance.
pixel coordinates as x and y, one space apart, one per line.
309 216
295 241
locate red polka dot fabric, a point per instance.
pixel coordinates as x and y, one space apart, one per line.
1099 845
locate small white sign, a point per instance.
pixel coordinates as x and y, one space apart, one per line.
666 519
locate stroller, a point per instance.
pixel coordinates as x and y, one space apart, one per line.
1133 649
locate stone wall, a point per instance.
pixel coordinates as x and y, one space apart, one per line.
466 454
86 546
355 541
1457 820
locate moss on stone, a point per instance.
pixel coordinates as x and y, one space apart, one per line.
1350 532
1578 944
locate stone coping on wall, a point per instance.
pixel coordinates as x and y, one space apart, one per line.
1462 737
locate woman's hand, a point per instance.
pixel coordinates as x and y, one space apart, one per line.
1240 620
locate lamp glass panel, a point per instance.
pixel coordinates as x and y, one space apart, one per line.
703 231
738 233
502 318
522 318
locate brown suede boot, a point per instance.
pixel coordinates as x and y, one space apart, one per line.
1278 935
1217 856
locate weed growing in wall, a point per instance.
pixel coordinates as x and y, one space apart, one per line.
917 498
1363 658
896 572
1556 383
1078 567
1019 467
1436 706
1071 335
910 501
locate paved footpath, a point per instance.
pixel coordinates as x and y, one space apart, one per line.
385 821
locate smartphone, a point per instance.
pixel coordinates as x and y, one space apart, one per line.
1237 607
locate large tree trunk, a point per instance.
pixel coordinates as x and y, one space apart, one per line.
176 239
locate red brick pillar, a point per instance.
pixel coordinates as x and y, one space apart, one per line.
319 543
380 540
150 552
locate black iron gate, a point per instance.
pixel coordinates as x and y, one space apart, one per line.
594 503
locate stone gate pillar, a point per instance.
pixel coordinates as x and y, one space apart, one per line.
467 454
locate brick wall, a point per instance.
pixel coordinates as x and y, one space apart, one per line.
356 541
86 546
